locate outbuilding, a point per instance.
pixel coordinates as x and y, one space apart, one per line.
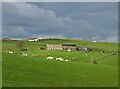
71 47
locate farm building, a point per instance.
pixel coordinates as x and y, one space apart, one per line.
54 47
69 46
61 46
33 39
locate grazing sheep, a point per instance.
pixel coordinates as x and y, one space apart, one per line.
23 54
66 60
11 52
60 59
57 58
50 58
85 49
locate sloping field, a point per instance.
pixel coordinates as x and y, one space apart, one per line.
32 71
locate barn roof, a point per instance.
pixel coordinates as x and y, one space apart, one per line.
68 44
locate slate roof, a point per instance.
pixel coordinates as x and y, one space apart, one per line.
68 44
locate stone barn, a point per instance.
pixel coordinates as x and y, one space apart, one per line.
54 47
61 47
71 47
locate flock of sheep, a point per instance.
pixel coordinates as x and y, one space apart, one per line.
46 57
12 52
57 59
50 57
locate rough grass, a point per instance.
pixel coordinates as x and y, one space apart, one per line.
110 60
26 71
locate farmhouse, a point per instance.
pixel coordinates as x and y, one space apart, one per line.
54 47
61 46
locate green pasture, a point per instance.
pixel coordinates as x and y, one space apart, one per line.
35 70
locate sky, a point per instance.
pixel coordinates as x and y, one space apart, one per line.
80 20
60 0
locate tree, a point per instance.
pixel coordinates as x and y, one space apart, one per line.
20 45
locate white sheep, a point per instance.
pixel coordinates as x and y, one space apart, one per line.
57 59
24 54
66 60
50 58
11 52
60 59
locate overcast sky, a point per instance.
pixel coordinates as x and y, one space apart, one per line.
82 20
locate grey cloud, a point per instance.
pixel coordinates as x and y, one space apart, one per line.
110 39
14 32
27 19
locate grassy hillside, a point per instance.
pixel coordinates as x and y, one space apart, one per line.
106 46
36 70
